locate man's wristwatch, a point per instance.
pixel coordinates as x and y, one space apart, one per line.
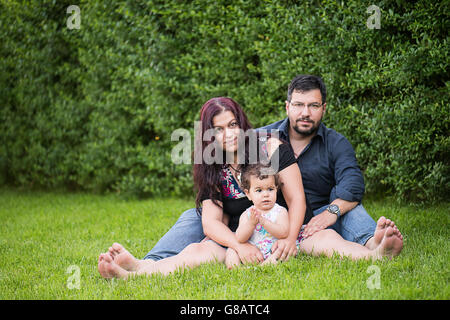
334 209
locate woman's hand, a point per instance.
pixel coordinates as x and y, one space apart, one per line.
283 249
248 253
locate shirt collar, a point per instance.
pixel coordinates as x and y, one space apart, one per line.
321 131
284 129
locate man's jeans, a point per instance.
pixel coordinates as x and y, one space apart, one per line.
356 226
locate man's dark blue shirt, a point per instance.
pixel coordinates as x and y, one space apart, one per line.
328 166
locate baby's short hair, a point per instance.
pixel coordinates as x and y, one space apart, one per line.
259 170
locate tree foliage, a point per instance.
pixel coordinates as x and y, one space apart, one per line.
94 108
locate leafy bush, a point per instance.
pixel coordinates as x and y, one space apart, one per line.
94 108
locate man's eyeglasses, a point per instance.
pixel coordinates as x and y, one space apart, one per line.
311 106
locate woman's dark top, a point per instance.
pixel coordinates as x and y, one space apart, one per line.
234 199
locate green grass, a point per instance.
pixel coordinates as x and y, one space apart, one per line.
43 234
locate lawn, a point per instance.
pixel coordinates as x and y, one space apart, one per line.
48 240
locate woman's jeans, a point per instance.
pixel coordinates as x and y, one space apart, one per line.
356 226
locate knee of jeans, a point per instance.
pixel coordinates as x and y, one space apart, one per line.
359 216
359 209
357 225
190 214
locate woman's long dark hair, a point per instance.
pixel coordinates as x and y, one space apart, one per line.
207 176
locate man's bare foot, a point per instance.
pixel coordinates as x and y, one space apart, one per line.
382 225
397 232
109 269
123 258
391 245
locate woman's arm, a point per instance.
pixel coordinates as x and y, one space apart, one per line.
213 227
292 188
293 193
213 224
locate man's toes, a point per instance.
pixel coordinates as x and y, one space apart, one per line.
389 232
397 232
381 222
391 245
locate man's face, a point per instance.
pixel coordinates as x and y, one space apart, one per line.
305 111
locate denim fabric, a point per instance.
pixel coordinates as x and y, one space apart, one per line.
188 229
356 225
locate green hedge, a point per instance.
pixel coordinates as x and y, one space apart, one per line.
94 108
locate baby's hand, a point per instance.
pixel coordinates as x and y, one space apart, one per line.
262 220
253 216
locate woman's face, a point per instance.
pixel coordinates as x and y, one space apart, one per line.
226 130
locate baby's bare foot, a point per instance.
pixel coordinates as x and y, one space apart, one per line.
270 260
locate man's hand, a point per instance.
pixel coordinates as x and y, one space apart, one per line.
320 222
249 253
283 249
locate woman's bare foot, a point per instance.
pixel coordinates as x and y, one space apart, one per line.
391 245
109 269
123 258
101 264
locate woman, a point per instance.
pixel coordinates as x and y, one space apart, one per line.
219 192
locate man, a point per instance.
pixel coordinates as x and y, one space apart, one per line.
332 179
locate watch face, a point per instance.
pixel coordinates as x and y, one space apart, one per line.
333 208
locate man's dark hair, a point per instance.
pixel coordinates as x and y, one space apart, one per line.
257 171
304 83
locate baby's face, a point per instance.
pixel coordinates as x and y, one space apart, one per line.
263 193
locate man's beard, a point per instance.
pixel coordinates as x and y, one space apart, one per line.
309 132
